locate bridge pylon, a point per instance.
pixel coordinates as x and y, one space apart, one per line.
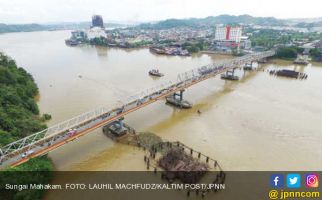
176 99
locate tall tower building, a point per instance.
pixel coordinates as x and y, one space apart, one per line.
97 21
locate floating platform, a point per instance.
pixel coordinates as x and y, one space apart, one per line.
229 77
288 73
248 68
178 103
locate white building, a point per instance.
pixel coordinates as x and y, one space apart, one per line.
96 32
228 33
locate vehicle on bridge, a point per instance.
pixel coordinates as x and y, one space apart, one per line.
28 153
72 132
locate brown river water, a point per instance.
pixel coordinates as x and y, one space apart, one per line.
261 122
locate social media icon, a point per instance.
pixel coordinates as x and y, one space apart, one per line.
277 180
311 180
293 180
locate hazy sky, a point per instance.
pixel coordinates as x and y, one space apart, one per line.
42 11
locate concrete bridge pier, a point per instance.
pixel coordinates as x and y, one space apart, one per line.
231 72
180 95
176 99
230 75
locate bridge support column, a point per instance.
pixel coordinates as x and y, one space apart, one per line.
176 99
231 72
180 95
230 75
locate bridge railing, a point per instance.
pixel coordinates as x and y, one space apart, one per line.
182 80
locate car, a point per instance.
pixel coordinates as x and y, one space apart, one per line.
71 132
26 154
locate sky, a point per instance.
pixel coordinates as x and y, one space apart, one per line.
47 11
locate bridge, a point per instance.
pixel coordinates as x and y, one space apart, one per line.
42 142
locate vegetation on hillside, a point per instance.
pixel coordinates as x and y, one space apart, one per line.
19 117
316 54
195 46
7 28
269 38
211 21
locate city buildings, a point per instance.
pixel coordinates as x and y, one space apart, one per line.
228 34
229 39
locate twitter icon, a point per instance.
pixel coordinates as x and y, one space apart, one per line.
293 180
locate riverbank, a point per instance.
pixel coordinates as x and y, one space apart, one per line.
19 117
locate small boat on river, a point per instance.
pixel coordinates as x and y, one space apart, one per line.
155 72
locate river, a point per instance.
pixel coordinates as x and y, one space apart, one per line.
261 122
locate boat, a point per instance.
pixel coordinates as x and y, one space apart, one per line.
70 42
229 77
178 103
301 62
155 72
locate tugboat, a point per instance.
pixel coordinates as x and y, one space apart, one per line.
155 72
301 60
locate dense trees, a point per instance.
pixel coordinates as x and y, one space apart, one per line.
18 110
316 54
288 52
269 38
195 46
19 117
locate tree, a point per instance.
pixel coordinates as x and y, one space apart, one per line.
287 52
19 117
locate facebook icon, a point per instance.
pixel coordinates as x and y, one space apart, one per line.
277 180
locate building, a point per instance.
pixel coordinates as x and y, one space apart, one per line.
96 32
245 43
228 33
79 35
227 38
97 21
